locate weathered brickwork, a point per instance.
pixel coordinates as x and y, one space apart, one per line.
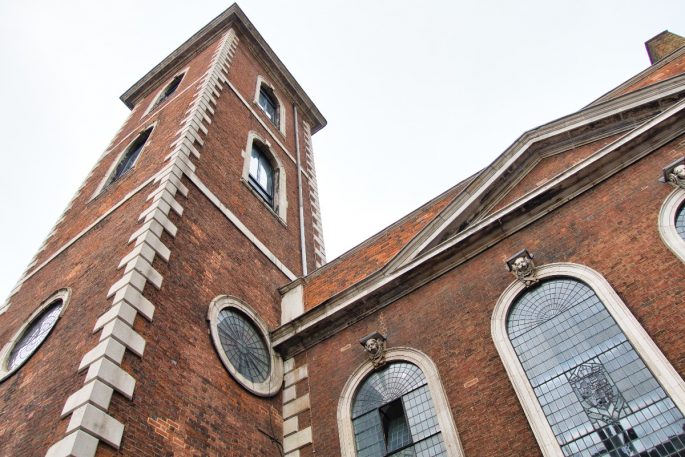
645 274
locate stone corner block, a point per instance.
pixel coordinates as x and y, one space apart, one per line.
77 444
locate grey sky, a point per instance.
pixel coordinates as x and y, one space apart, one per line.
418 95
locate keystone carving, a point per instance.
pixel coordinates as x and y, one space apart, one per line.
374 345
677 176
521 265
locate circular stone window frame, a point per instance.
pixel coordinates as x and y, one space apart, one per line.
64 295
272 384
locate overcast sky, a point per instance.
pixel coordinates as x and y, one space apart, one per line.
418 95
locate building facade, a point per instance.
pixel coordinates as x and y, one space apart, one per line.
182 305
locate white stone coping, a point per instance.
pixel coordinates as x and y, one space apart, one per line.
272 384
638 337
64 295
667 216
450 436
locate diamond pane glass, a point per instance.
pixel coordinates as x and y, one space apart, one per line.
680 221
130 156
384 428
34 335
243 344
599 397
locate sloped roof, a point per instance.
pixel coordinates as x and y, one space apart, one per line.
374 253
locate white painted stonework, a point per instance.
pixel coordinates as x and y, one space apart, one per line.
667 228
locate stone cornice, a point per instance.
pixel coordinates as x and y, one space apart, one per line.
232 17
383 288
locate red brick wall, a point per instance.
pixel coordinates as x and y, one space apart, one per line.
611 228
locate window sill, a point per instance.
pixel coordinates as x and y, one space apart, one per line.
264 202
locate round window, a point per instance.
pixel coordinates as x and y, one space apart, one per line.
242 343
29 338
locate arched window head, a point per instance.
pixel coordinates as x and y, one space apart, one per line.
594 390
167 92
269 104
393 414
672 222
399 409
262 176
130 156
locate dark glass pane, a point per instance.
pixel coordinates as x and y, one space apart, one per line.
243 344
169 90
262 174
269 105
130 156
34 335
393 414
598 395
680 222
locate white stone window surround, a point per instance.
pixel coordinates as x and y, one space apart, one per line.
667 216
261 81
280 207
105 182
270 386
651 355
153 104
63 295
448 430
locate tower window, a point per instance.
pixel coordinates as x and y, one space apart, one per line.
128 159
168 91
680 221
268 103
261 176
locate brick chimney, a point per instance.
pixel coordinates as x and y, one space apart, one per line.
662 45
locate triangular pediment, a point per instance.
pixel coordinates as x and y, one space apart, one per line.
542 157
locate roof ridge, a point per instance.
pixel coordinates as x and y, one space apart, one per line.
386 229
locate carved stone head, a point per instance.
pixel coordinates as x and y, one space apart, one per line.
521 265
374 345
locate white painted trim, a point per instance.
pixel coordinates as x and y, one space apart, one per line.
660 367
107 178
64 295
272 384
152 106
280 207
667 216
450 436
261 81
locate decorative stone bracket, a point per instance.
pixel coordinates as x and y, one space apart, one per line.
521 265
675 173
374 345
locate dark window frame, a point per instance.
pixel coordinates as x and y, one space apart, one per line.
267 98
128 159
262 157
168 91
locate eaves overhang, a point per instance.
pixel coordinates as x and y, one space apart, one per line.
231 17
385 287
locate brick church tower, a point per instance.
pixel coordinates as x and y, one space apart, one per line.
203 205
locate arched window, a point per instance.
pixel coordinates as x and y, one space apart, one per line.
264 174
167 92
266 97
399 409
593 389
672 222
261 175
130 156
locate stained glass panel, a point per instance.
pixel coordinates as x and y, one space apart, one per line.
598 395
34 335
393 415
243 344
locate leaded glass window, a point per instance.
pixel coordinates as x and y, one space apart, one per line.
393 414
262 174
599 397
34 335
130 156
680 221
244 345
168 90
269 105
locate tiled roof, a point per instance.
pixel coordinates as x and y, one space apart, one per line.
370 256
